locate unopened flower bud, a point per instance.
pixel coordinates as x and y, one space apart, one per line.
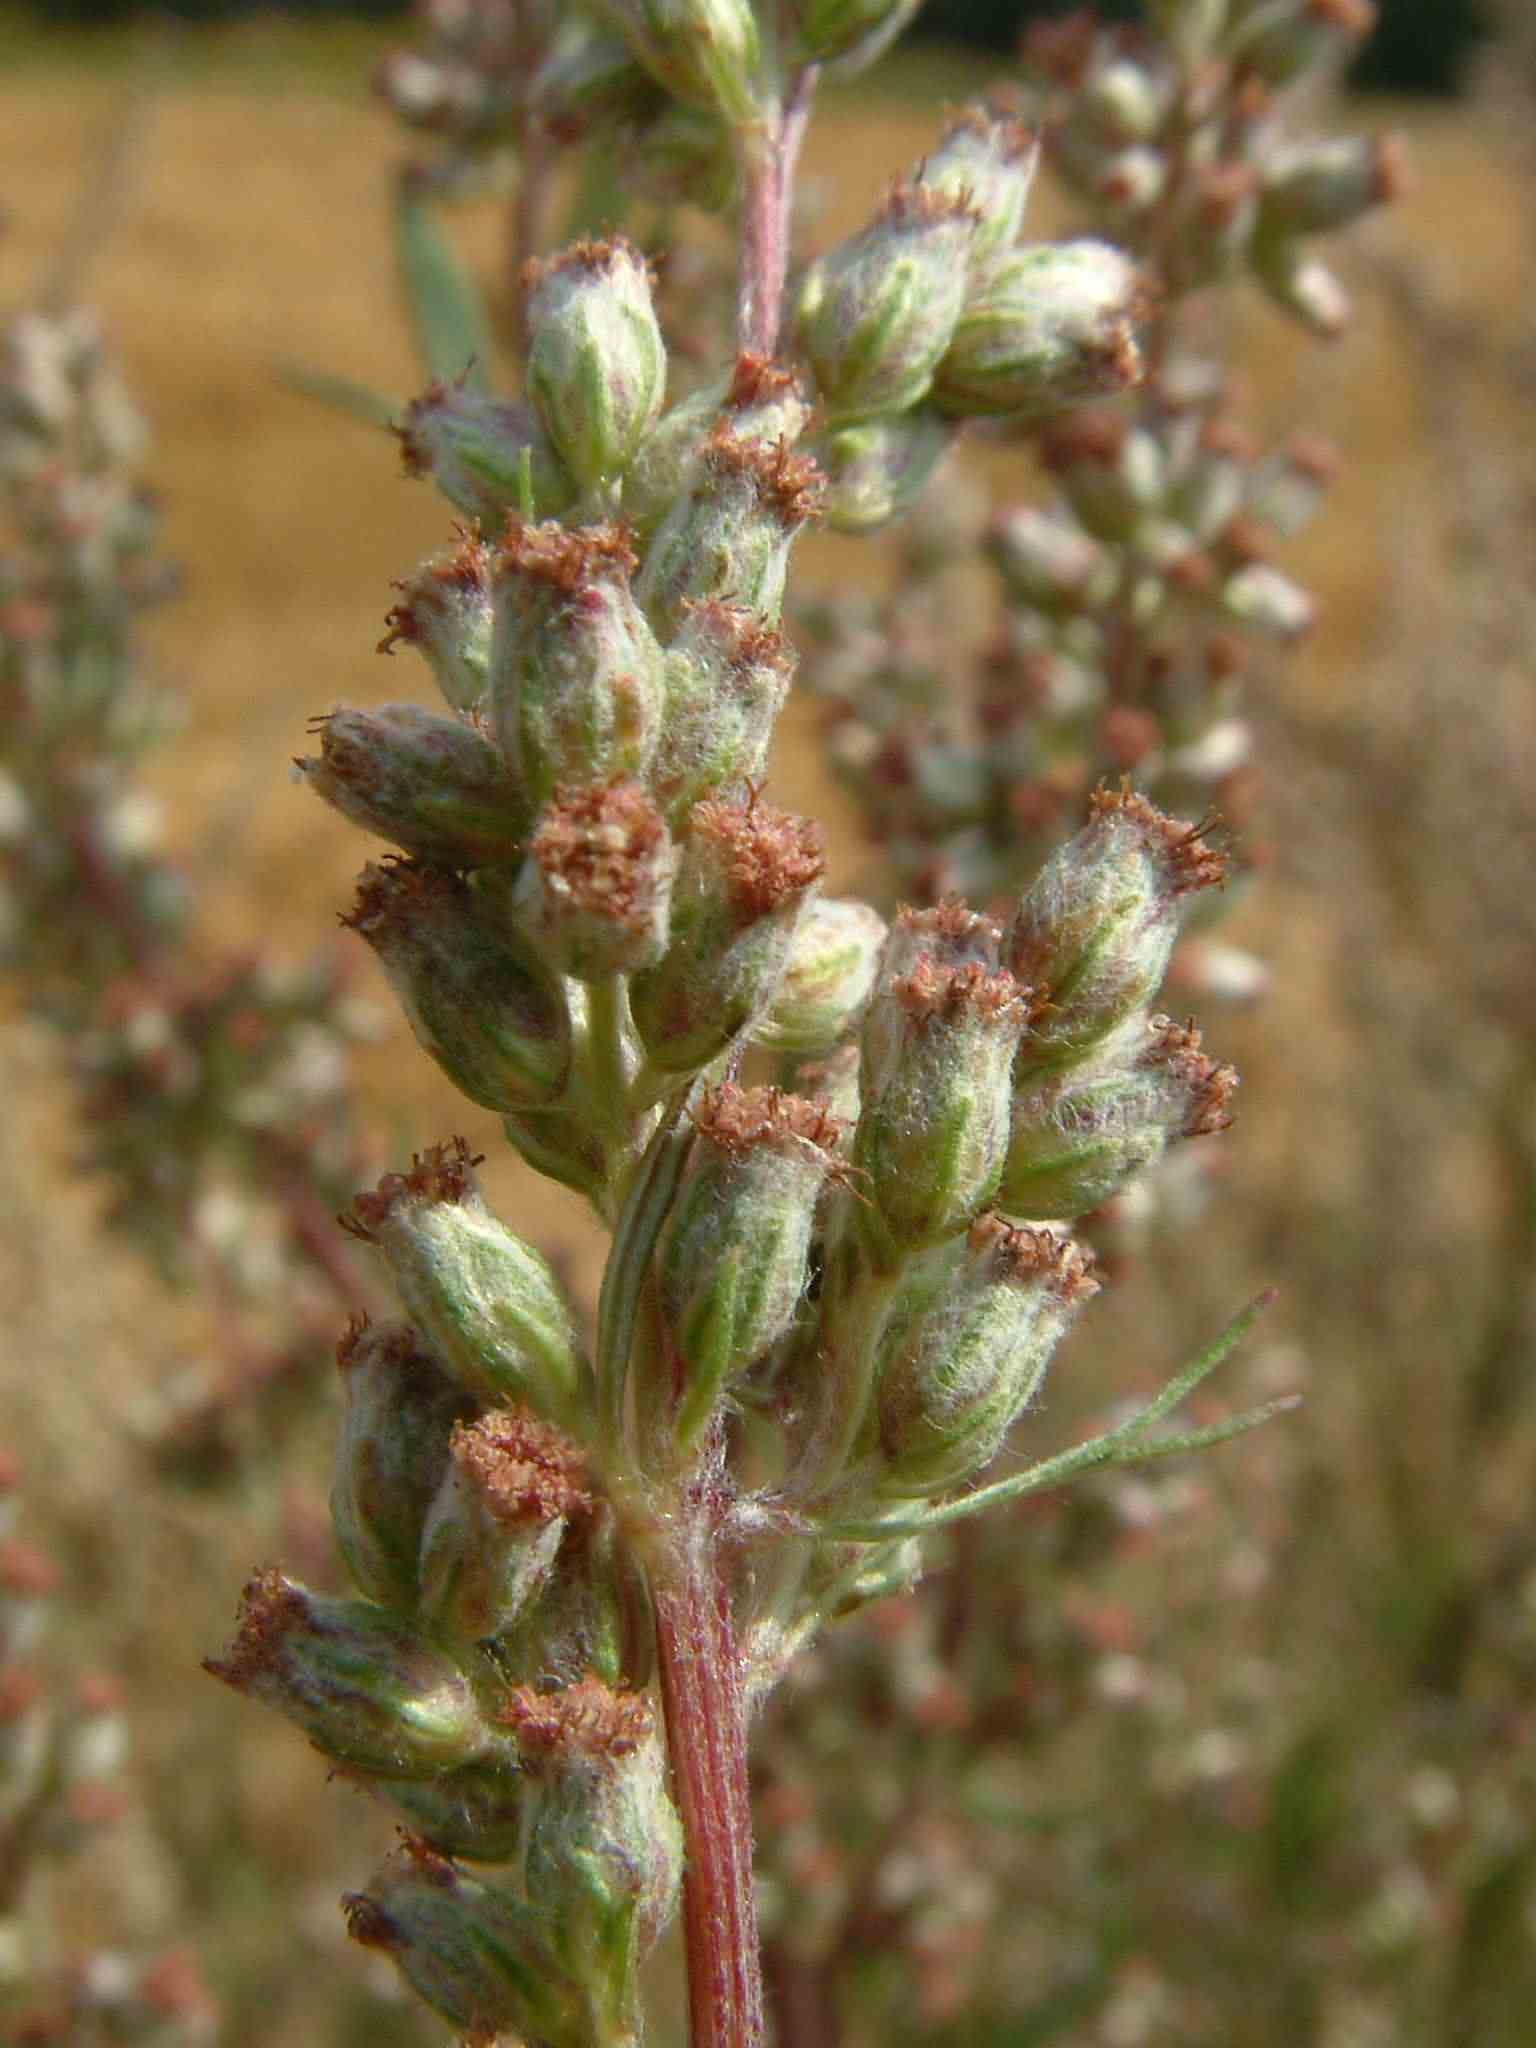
987 162
1079 1136
487 456
851 33
830 972
597 365
954 1379
1319 186
576 672
876 469
877 313
363 1685
727 538
732 1262
703 51
939 1046
428 783
482 1958
1267 600
398 1411
1301 285
1093 933
606 1841
1113 474
488 1306
760 402
493 1532
445 612
727 676
1132 180
474 991
1126 99
596 889
1053 325
1278 40
745 875
1049 565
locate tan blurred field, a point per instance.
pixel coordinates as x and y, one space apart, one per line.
253 230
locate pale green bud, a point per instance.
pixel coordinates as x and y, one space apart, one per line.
745 875
488 1306
727 537
986 162
1127 99
1078 1136
576 672
1319 186
703 51
1054 324
486 455
760 403
1267 600
482 1958
445 612
364 1686
876 469
1301 285
1048 565
606 1843
597 886
597 365
1281 39
831 969
933 1130
1113 474
1093 934
953 1379
876 314
727 676
851 33
479 1813
474 991
428 783
398 1412
732 1262
493 1531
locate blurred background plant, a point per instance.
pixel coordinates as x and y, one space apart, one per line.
1382 1176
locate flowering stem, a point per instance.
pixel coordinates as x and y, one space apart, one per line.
707 1739
769 151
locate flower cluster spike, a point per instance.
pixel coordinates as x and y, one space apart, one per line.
577 1565
212 1089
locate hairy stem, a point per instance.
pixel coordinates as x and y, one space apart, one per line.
769 151
705 1711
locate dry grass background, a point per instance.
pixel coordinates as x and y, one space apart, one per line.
254 228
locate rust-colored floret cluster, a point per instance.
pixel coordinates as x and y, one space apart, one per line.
443 1173
770 856
758 380
1024 1253
569 559
598 845
744 639
933 992
1208 1085
394 892
910 205
1189 861
522 1469
594 256
587 1720
740 1120
269 1607
789 486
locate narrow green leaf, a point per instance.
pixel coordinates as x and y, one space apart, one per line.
358 401
447 309
1127 1444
